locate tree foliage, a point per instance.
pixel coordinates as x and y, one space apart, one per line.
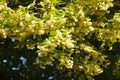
79 37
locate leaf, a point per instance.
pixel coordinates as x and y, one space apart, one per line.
2 0
52 33
55 1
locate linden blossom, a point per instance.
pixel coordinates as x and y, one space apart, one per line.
68 43
71 35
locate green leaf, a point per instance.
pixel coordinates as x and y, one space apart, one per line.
52 33
2 0
55 1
